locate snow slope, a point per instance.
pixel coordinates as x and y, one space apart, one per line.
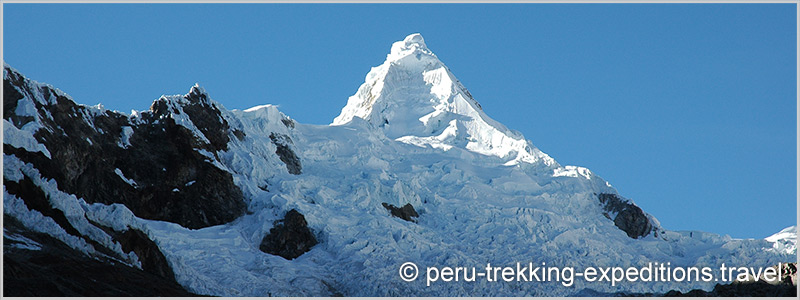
785 240
411 134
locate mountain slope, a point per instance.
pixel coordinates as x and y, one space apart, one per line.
223 179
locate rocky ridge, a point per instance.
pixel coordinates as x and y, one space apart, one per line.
162 164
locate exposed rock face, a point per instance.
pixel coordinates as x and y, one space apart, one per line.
290 237
150 163
789 273
207 117
285 153
158 163
629 217
407 212
58 270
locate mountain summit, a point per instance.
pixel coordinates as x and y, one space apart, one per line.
414 98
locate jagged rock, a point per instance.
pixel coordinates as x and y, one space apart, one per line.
285 153
152 174
290 237
629 217
407 212
789 273
204 115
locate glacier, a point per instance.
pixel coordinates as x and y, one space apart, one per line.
411 134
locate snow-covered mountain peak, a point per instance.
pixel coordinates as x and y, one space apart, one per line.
414 40
414 98
196 95
413 47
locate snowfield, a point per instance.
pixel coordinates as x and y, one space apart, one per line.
411 134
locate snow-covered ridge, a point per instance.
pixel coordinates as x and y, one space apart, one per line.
784 241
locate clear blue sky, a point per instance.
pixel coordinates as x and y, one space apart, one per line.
689 109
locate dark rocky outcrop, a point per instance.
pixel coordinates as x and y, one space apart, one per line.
784 286
290 237
153 261
587 292
207 117
789 273
752 289
58 270
159 168
407 212
289 123
629 217
285 153
174 181
150 256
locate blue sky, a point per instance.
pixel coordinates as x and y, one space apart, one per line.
689 109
